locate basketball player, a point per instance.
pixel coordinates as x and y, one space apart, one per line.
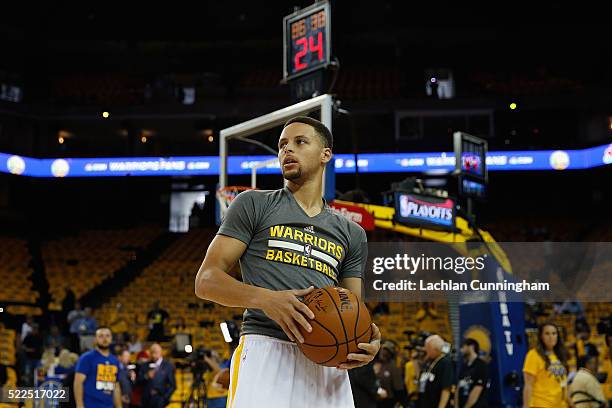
288 241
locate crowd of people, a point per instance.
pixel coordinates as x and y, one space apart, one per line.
106 366
433 378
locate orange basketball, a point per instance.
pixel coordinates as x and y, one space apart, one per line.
341 322
224 378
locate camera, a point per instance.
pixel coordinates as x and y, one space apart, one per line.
197 363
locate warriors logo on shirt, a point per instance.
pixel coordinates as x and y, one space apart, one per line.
301 247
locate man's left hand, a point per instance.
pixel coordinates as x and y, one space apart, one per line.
370 350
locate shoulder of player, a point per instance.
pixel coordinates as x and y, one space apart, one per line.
88 354
353 228
480 361
261 196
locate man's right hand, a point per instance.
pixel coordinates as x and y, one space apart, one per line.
286 309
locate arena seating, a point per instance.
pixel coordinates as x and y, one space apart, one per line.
16 272
7 357
83 261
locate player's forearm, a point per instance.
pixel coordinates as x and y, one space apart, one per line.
444 397
473 397
526 395
217 286
117 396
78 394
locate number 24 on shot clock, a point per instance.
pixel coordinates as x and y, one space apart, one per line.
307 40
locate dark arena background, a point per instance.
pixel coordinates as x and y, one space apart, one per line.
119 126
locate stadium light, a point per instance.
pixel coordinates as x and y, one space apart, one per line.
105 114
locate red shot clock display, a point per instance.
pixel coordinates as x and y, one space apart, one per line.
307 35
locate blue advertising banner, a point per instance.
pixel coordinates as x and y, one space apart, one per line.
540 160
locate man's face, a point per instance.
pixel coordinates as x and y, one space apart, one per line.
125 357
592 365
104 339
385 354
431 351
466 351
156 352
301 152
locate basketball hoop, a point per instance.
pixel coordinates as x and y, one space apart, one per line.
226 195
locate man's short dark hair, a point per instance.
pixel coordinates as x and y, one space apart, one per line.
584 360
320 129
473 343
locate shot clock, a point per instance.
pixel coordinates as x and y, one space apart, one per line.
307 40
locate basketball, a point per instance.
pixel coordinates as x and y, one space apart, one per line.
341 322
224 378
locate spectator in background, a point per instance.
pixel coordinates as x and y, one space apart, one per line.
86 328
412 370
583 347
74 318
134 345
159 380
142 359
365 386
68 304
545 371
32 347
127 376
473 384
26 327
437 379
586 391
66 362
390 375
157 318
54 339
48 361
95 381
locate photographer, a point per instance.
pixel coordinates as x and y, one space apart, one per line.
217 380
158 379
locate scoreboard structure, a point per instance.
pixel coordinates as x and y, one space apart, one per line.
471 165
307 40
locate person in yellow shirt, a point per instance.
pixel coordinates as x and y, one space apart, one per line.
412 372
545 371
